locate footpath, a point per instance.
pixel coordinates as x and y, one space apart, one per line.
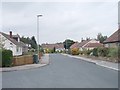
106 64
43 62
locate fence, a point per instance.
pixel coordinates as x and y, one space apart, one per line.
22 60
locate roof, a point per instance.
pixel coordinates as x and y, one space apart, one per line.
12 40
94 45
51 46
83 43
86 43
75 45
115 37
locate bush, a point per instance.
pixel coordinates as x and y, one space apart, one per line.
81 52
95 52
0 57
113 52
7 58
103 52
75 51
86 52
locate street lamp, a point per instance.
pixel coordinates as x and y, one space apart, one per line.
38 33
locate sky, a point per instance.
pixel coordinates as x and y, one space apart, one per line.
60 20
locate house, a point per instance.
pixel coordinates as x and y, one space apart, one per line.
113 41
87 44
75 45
13 43
58 47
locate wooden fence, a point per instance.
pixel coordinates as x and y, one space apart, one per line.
22 60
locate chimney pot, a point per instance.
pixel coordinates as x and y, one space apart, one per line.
10 34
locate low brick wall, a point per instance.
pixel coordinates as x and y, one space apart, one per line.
22 60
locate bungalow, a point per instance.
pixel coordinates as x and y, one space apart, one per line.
13 43
86 44
58 47
113 41
90 44
75 45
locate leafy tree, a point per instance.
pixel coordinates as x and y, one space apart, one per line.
101 38
33 42
67 43
25 40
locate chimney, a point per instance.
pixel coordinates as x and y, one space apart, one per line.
10 34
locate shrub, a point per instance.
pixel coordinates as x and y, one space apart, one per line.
89 52
75 51
81 52
0 57
7 58
95 52
119 54
113 52
103 52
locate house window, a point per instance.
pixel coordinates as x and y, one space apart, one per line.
17 48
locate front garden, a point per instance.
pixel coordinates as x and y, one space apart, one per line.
109 54
8 60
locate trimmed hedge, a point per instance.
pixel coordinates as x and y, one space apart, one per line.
7 57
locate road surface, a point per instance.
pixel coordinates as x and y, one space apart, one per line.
62 72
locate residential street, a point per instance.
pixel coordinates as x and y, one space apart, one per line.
62 72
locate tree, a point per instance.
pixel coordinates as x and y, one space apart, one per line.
67 43
101 38
33 42
25 40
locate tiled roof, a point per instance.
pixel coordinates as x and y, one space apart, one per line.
86 43
83 43
75 45
115 37
51 46
12 40
93 45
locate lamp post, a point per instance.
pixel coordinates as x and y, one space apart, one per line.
38 33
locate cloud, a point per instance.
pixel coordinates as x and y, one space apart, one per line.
60 20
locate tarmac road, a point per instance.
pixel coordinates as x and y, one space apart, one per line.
62 72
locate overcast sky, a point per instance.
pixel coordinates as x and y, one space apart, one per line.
61 20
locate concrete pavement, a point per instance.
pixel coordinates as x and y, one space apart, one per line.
43 62
106 64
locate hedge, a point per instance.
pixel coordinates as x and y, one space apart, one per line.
7 57
106 52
